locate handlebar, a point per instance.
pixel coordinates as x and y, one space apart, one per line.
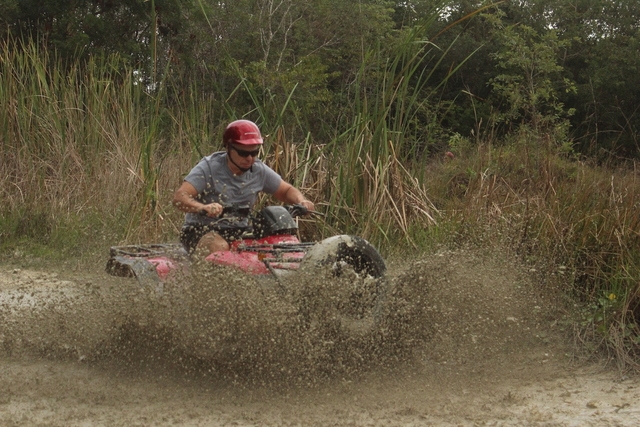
300 210
235 211
244 211
232 211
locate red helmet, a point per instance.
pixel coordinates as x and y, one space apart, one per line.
243 132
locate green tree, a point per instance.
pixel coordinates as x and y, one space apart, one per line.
603 60
530 78
136 30
600 54
286 52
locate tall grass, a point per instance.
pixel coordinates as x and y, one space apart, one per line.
366 177
77 146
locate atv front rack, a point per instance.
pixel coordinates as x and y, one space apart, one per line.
276 247
272 255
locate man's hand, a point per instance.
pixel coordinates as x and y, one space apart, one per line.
308 204
212 209
287 193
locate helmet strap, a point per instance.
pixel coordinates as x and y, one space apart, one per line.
243 170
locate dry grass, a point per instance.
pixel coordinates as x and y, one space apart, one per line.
581 220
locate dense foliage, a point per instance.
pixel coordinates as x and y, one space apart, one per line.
566 66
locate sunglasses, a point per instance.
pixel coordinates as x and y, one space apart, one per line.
244 153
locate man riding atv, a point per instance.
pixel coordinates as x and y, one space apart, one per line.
218 197
224 178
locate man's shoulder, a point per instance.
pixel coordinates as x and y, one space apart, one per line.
206 167
211 162
215 157
260 165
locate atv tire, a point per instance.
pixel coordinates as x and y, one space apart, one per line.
352 250
359 269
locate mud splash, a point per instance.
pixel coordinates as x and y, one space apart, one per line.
225 324
213 321
466 338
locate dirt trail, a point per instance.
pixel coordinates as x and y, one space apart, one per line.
468 340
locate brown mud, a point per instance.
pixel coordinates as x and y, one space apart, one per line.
467 338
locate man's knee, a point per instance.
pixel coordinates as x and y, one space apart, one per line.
213 242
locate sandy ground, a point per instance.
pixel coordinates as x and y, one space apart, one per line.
467 339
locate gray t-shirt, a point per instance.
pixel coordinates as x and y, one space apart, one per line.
215 183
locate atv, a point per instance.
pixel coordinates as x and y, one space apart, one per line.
270 249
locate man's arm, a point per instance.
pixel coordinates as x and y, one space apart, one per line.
287 193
